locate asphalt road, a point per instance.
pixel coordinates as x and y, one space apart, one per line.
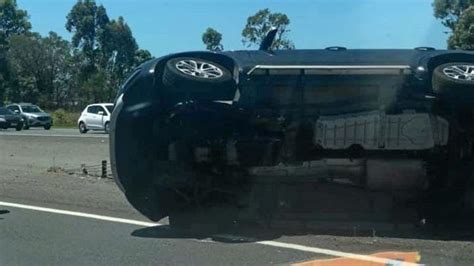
52 216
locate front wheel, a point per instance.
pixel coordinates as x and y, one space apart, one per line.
454 83
19 127
82 128
198 79
47 127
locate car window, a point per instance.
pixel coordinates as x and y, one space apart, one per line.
92 109
110 108
5 111
31 109
101 109
13 108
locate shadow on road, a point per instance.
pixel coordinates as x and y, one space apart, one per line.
454 230
3 212
236 235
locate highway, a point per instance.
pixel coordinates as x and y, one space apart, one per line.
51 214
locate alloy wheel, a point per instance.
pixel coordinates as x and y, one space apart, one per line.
460 72
199 69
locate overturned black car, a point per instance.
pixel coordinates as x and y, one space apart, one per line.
270 130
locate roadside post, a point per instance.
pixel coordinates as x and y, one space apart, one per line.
104 169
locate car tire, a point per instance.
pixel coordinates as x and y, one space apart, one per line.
19 127
198 79
26 126
47 127
82 128
107 127
454 82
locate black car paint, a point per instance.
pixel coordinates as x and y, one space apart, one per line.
10 118
141 99
244 61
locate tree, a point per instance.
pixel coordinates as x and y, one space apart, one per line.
88 22
27 70
57 65
259 24
40 69
107 50
457 15
141 56
122 46
212 39
463 34
450 11
13 21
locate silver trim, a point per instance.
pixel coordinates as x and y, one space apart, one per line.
331 69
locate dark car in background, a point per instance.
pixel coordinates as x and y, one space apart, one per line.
33 115
270 131
9 119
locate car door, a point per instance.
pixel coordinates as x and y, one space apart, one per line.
101 115
91 117
14 109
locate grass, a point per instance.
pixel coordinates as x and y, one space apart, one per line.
64 119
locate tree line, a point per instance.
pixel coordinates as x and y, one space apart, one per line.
57 73
456 15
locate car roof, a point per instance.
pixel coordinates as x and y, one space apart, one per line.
22 104
100 104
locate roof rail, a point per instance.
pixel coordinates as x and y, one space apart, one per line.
330 70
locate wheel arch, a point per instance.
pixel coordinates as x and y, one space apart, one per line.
435 61
159 68
438 60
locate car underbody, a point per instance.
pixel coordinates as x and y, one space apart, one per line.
294 139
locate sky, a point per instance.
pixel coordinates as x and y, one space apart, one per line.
167 26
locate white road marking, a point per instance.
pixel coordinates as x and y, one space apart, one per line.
315 250
78 214
55 135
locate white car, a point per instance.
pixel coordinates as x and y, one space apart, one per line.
95 117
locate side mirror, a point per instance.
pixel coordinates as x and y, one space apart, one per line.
101 113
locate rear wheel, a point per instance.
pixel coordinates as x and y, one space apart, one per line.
47 127
82 128
198 79
107 127
19 127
